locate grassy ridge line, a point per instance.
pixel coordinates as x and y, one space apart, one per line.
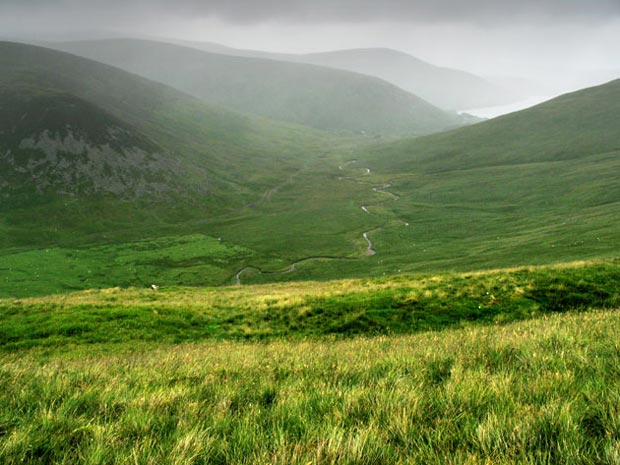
535 392
399 305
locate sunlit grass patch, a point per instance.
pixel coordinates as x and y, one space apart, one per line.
537 391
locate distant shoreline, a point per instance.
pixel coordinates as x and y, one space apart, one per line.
495 111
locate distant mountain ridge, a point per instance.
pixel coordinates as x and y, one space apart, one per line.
311 95
446 88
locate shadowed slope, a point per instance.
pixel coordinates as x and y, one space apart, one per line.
78 130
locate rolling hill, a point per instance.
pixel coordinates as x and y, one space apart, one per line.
73 131
446 88
572 126
64 144
535 187
314 96
475 368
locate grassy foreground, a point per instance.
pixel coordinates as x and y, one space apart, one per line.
517 366
539 391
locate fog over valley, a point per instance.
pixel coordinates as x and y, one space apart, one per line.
536 48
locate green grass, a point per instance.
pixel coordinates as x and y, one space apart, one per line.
187 260
512 366
516 366
397 305
535 187
535 392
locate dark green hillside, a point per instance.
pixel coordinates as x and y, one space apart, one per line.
537 186
283 203
534 187
310 95
64 145
87 148
233 148
571 126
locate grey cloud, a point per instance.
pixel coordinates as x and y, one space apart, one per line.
244 11
401 10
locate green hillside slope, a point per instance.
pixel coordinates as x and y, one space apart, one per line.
310 95
539 186
63 144
571 126
535 186
85 147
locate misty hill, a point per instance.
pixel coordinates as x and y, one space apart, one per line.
310 95
64 144
72 128
77 127
446 88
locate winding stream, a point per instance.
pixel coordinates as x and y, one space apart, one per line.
370 250
290 269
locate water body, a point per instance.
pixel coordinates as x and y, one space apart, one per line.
493 112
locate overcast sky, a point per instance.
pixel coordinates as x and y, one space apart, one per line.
565 41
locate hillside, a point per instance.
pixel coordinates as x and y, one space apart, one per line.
109 144
63 144
446 88
538 186
570 127
535 186
405 304
305 94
